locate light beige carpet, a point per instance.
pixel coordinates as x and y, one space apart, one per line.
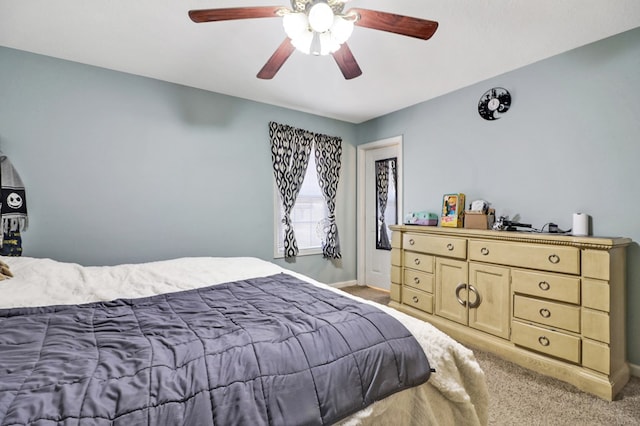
522 397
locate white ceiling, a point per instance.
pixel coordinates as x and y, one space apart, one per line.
476 40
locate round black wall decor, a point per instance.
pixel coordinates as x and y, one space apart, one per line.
493 103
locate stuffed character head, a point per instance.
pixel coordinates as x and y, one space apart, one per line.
5 272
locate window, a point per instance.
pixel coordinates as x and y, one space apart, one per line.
307 216
291 150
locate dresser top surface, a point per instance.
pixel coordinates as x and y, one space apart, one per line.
524 236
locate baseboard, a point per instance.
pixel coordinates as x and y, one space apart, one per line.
344 284
380 289
635 370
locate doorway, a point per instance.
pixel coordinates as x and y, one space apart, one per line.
379 205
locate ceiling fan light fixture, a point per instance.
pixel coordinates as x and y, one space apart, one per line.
295 25
316 45
320 17
328 43
341 29
306 39
303 42
321 27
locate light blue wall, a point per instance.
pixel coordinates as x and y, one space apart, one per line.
120 168
570 143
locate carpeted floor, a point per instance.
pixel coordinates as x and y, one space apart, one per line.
369 293
522 397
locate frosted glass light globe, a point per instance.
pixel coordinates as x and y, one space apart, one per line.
295 25
303 42
328 44
320 17
341 29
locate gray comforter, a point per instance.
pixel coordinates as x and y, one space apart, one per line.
272 350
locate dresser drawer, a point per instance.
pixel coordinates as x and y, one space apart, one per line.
418 299
549 286
442 246
549 342
596 295
596 325
533 256
548 313
420 280
396 257
395 292
396 274
419 261
596 356
396 240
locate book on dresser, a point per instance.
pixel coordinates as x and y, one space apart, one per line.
552 303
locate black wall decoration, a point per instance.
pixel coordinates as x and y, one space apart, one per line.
494 103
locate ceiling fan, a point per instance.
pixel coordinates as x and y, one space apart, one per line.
320 27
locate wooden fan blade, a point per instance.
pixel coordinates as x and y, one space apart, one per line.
398 24
211 15
276 60
346 62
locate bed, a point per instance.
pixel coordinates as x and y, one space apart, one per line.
454 392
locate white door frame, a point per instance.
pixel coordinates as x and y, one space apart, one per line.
361 232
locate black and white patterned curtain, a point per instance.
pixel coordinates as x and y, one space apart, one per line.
394 170
328 160
393 183
290 150
382 192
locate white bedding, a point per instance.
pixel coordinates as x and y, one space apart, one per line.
456 394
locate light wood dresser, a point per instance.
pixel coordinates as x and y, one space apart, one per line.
552 303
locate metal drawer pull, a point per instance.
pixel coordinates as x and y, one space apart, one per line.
450 247
554 258
478 298
416 280
460 287
544 286
415 299
411 241
484 251
543 341
416 261
545 313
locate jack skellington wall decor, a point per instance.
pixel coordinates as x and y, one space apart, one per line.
493 103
